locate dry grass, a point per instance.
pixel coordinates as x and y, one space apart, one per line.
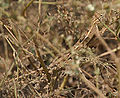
59 49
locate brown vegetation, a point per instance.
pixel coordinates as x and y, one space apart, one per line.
59 48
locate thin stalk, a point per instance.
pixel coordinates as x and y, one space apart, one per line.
27 7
